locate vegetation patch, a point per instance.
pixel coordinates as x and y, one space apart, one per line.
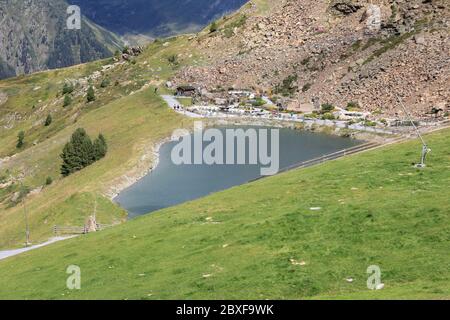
306 87
81 152
288 87
237 23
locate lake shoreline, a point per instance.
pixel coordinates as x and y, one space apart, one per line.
134 176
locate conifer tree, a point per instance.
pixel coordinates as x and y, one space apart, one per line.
90 94
77 153
71 163
80 152
67 100
49 120
100 147
20 139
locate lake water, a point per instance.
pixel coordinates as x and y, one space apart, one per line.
169 184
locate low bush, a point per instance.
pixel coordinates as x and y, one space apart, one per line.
306 87
48 181
327 107
68 88
67 100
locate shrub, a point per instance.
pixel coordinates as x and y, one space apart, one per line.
90 94
328 116
67 100
306 87
352 106
369 123
287 87
48 181
311 115
68 88
259 102
48 121
105 83
213 27
173 59
327 107
20 139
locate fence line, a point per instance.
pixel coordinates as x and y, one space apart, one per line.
77 229
327 157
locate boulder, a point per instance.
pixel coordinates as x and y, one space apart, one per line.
420 40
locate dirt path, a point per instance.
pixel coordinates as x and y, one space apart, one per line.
172 102
9 253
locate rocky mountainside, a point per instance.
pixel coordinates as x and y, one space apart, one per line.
155 18
34 37
339 52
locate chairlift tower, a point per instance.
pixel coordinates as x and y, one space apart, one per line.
425 149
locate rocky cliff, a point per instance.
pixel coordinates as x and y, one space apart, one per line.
339 52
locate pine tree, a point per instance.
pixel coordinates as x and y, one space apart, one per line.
49 120
100 147
67 100
83 147
77 153
90 94
71 162
20 139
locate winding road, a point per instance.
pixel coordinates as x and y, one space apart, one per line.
173 102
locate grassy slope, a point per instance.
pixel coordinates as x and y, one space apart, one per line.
376 209
31 98
131 124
